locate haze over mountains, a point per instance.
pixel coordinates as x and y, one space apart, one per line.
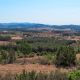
35 26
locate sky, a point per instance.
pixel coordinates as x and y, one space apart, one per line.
40 11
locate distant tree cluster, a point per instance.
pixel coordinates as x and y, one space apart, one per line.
5 38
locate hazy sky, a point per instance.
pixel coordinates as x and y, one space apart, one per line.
40 11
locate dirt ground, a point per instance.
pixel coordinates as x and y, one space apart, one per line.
4 42
78 56
17 68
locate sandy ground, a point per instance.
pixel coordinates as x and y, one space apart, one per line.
16 68
4 42
78 56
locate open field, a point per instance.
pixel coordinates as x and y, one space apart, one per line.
30 66
43 54
17 68
4 42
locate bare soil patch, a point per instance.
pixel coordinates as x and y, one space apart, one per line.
17 68
4 42
78 56
30 66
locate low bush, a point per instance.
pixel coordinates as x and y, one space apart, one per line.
65 57
74 75
7 57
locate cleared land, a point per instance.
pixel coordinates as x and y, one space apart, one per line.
17 68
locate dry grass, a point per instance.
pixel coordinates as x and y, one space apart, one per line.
78 56
4 42
16 67
16 38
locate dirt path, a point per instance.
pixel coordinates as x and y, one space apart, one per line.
16 68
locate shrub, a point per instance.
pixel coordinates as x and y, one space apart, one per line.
3 57
74 75
50 58
7 57
43 61
11 56
24 48
65 56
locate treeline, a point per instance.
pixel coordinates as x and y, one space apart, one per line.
53 41
5 38
44 49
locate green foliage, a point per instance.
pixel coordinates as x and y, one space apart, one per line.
11 56
47 42
24 47
5 38
65 56
4 57
74 75
7 57
49 58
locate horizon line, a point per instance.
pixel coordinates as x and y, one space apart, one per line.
35 23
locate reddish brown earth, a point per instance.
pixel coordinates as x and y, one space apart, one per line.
17 68
4 42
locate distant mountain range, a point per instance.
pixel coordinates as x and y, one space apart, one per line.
38 26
